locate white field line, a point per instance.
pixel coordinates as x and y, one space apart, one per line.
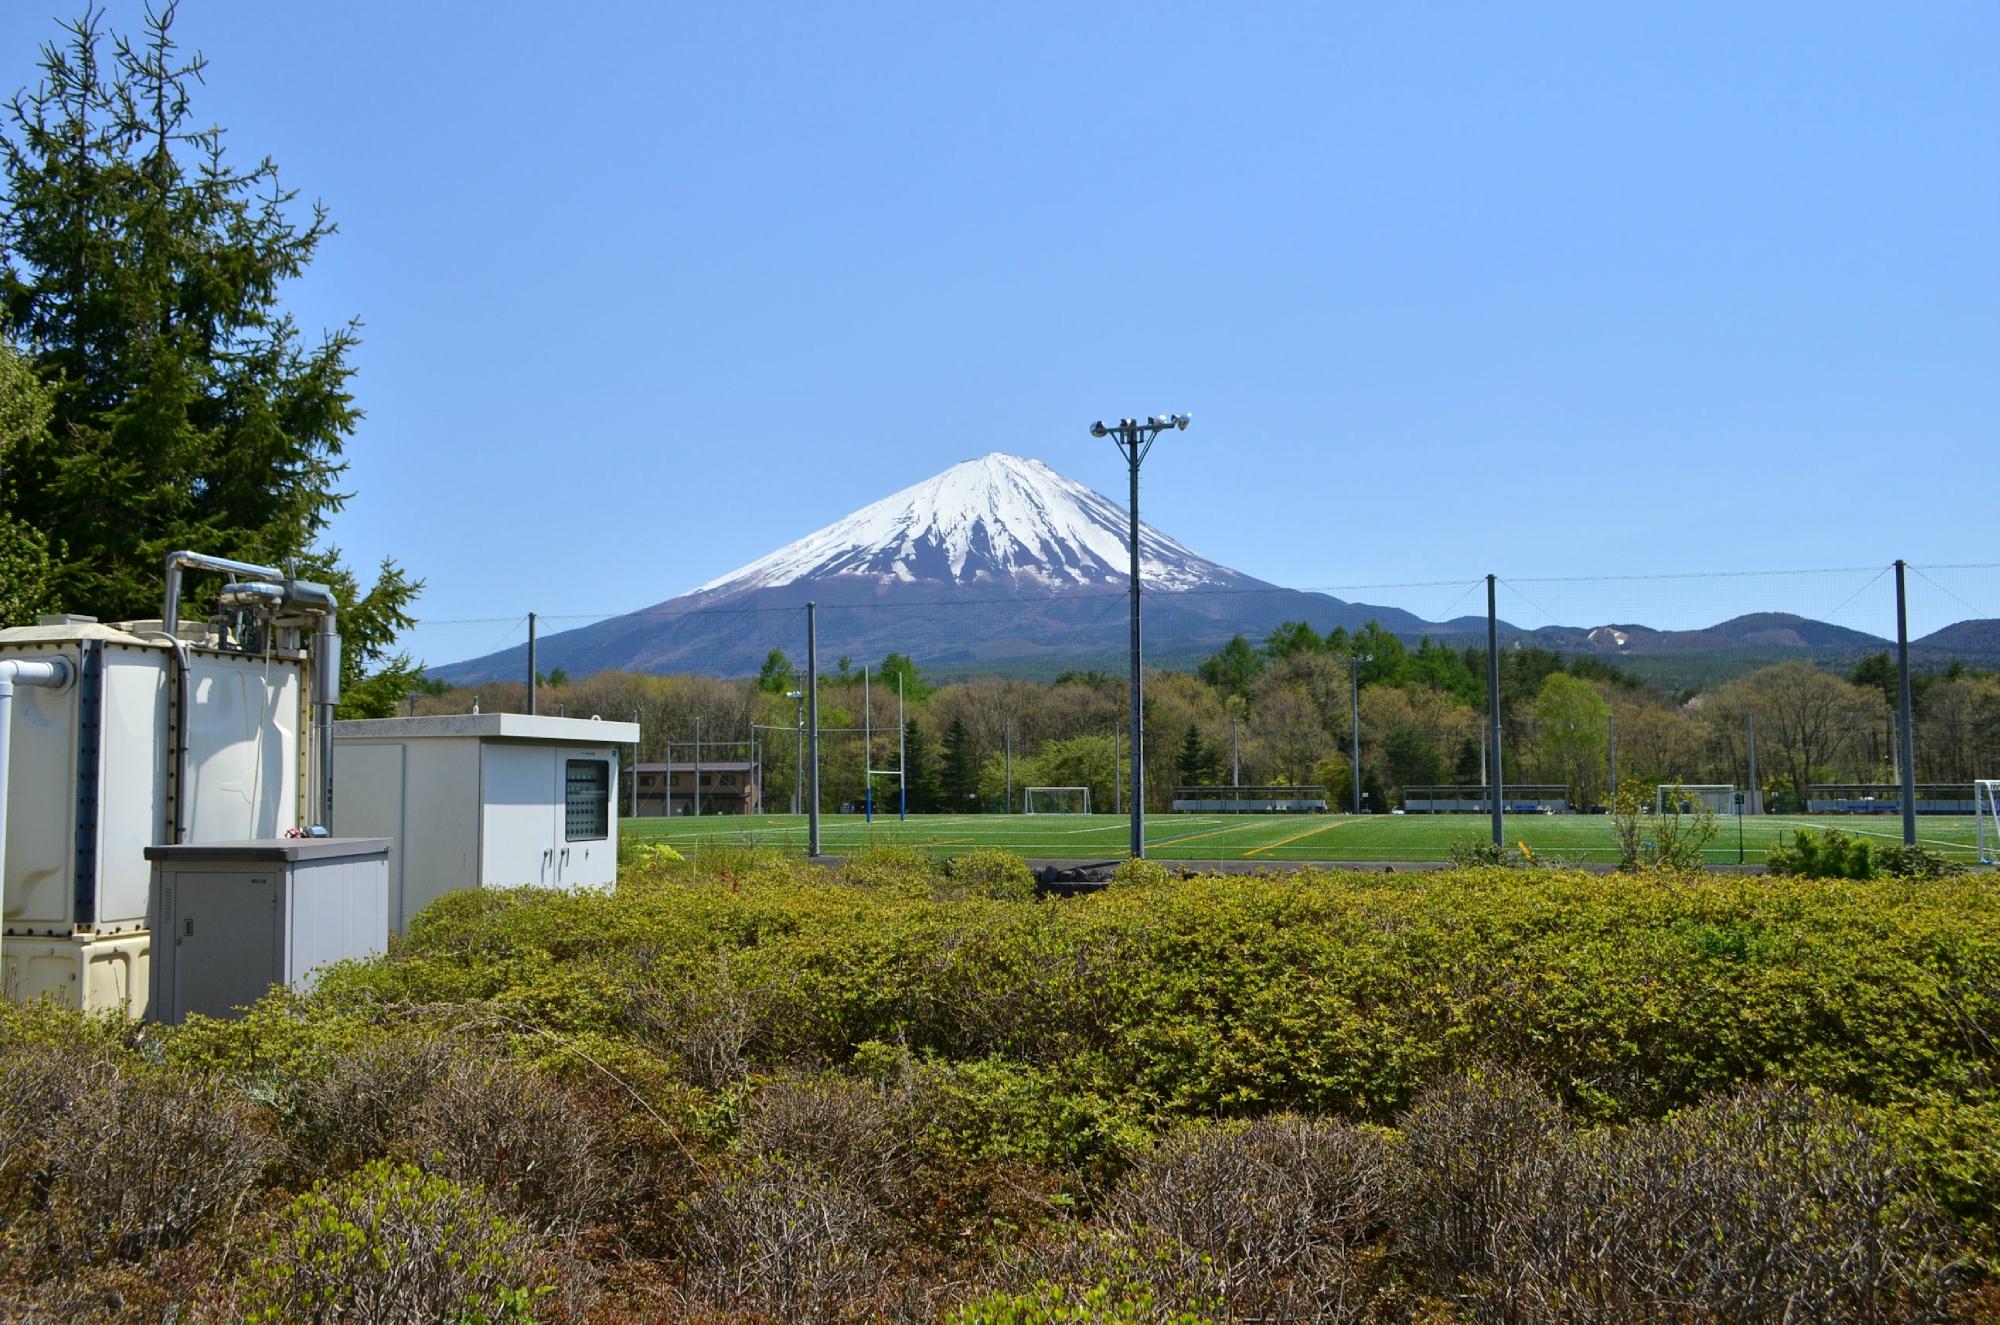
1896 836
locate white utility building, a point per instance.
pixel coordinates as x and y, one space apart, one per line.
482 800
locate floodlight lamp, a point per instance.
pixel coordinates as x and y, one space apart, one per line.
1098 429
1181 421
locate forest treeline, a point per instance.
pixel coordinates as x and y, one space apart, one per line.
1282 712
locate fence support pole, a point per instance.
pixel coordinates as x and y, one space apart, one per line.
812 716
1496 780
1905 738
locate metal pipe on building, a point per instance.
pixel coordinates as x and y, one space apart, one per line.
54 674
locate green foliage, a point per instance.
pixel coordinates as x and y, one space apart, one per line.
1000 875
26 569
1292 637
1232 668
1831 855
1477 852
1904 861
923 785
392 1244
1198 763
1672 839
1572 734
958 776
141 281
898 667
1835 855
777 676
1059 1304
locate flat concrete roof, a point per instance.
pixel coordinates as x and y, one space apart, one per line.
496 726
273 848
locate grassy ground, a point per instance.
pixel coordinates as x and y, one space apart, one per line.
1327 837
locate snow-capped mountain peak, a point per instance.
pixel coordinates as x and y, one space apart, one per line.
1000 519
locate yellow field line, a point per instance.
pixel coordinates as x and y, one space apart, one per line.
1323 828
1213 832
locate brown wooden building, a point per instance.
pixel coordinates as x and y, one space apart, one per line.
728 786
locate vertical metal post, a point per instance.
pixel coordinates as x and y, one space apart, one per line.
1907 735
697 768
1755 788
1354 693
532 673
1008 738
1611 751
1496 778
812 712
902 756
867 751
1117 778
1138 705
635 768
1235 761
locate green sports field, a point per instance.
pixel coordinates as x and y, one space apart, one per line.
1321 837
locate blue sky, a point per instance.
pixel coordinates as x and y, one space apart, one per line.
1547 290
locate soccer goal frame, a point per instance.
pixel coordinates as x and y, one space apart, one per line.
1081 794
1715 797
1986 816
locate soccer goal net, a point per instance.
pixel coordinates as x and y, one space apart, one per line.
1055 800
1986 803
1716 797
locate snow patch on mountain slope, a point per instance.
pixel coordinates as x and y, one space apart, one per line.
997 519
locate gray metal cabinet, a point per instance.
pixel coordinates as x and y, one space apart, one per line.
231 919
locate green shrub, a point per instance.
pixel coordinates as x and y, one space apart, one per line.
1058 1304
1000 875
897 871
392 1245
636 855
1905 861
1672 838
1831 855
1133 874
1477 853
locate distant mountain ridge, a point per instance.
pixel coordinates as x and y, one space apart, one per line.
1002 563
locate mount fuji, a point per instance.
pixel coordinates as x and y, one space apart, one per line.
995 561
1002 564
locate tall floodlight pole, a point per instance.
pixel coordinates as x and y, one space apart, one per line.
1354 661
1906 737
812 714
868 751
902 756
1135 439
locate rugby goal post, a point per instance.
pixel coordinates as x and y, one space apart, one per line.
1715 797
1986 805
1055 800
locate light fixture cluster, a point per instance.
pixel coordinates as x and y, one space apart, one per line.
1156 423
